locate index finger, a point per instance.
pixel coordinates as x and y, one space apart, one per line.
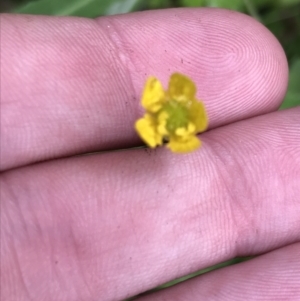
73 85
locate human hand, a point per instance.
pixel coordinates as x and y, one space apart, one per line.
112 225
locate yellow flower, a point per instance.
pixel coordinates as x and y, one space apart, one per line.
175 115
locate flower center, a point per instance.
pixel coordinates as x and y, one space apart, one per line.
178 115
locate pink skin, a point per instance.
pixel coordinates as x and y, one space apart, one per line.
112 225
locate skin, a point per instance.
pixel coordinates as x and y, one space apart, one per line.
115 224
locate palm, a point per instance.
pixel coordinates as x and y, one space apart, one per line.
111 225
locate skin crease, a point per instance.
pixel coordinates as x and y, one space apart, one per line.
278 269
112 225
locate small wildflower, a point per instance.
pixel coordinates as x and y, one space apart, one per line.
175 115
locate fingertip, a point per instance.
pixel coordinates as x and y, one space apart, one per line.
238 65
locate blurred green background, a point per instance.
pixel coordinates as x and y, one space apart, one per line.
282 17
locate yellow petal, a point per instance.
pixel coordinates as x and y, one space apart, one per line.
162 123
191 128
146 128
181 87
198 116
186 131
183 145
181 132
153 96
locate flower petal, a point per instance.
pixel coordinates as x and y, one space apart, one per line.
198 116
146 128
162 123
183 145
153 96
181 87
175 115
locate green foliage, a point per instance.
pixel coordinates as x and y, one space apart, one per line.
81 8
192 3
232 4
154 4
293 95
288 2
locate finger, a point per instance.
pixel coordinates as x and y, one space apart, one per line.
73 85
113 225
273 276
